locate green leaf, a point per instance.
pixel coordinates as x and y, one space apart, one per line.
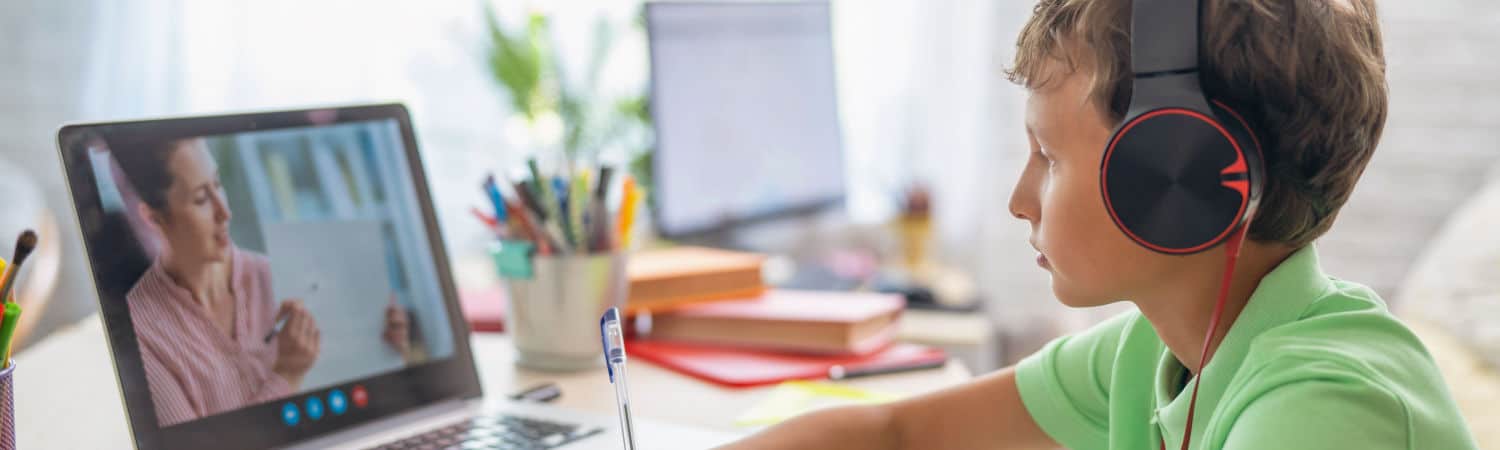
514 62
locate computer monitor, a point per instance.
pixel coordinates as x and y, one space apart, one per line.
744 102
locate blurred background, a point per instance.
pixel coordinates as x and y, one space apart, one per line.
918 122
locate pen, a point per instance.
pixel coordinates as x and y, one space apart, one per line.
839 372
496 200
282 323
529 228
542 393
565 216
601 190
614 360
603 234
533 217
488 221
537 183
548 199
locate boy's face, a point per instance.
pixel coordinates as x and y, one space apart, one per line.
1090 260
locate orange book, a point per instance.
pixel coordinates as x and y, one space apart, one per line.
789 320
662 280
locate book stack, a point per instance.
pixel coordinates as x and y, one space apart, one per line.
807 322
712 317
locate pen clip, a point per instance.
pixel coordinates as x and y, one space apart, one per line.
610 318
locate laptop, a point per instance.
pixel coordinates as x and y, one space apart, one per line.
279 280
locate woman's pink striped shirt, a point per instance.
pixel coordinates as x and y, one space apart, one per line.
194 370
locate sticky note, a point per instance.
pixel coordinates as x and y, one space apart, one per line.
794 398
513 259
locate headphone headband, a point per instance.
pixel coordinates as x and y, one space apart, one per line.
1163 37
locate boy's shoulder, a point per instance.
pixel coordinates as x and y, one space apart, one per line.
1346 354
1350 325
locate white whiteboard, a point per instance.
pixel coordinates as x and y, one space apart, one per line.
346 260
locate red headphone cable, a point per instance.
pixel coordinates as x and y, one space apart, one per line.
1232 254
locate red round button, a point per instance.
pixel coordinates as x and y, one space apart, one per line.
360 397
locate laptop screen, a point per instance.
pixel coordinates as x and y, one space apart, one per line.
278 275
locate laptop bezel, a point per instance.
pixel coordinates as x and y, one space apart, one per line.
259 426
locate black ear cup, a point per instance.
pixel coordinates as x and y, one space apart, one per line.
1178 181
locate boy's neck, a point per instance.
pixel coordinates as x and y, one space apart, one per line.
1181 310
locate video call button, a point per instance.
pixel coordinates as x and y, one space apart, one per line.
360 397
314 408
289 414
337 402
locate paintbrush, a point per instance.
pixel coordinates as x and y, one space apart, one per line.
24 245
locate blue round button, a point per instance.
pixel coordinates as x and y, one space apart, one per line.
314 408
337 402
289 414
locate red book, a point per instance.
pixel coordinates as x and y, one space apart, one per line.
745 368
484 309
788 320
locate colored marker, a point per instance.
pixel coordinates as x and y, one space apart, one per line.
628 204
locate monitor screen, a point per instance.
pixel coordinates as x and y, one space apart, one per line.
744 103
272 272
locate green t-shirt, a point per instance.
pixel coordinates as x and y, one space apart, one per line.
1311 363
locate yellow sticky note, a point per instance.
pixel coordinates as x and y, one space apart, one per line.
794 398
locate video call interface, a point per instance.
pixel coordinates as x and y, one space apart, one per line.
263 265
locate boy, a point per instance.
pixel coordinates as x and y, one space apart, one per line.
1304 361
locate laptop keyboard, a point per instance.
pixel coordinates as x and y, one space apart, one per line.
496 432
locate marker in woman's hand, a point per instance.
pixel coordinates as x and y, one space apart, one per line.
281 323
276 329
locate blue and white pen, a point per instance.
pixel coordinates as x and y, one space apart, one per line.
614 360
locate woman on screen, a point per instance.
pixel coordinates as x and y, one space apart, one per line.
203 312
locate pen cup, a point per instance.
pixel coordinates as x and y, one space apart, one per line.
7 408
555 304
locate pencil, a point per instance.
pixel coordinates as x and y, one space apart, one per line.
564 215
528 197
602 226
530 229
578 202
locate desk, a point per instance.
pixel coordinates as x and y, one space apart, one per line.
67 396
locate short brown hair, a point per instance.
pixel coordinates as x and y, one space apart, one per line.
1309 73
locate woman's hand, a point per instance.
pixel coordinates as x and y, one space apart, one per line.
297 344
397 327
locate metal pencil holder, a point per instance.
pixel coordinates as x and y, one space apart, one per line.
7 407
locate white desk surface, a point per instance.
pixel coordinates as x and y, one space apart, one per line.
67 396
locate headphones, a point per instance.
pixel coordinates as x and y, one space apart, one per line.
1182 172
